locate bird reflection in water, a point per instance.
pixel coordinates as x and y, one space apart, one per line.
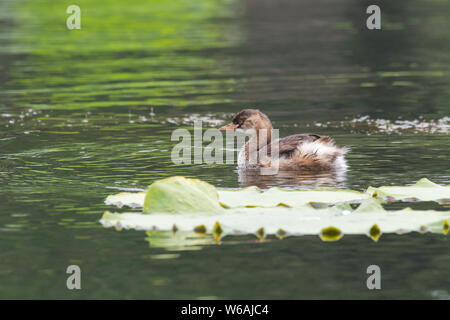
292 179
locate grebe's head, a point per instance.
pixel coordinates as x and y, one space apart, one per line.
249 121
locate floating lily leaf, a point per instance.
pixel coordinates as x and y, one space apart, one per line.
200 212
174 195
182 195
293 221
126 199
423 190
330 234
249 197
253 196
281 234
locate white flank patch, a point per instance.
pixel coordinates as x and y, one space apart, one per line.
318 148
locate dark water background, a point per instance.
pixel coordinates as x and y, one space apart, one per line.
75 126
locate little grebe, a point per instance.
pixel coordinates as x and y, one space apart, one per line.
296 152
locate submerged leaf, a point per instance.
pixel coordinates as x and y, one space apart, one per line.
423 190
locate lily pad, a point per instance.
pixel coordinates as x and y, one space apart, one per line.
126 199
254 197
273 197
181 195
178 241
193 209
369 218
423 190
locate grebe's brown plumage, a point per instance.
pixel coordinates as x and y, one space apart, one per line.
296 152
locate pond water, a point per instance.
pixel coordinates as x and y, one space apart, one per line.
86 113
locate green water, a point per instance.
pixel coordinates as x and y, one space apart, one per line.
75 126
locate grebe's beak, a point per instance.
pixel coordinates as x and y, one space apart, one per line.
230 126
